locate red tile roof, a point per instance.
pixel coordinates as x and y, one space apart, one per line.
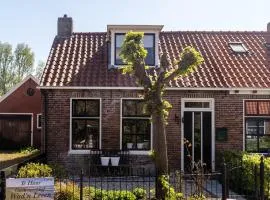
81 60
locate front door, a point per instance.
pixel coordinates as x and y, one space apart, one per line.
198 134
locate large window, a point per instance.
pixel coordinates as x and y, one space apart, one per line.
136 125
85 124
149 45
257 126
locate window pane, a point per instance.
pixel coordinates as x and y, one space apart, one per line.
78 107
134 108
264 144
264 108
85 133
136 134
148 41
92 108
251 108
197 104
119 40
251 143
85 108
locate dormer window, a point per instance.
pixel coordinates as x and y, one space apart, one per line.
238 47
150 42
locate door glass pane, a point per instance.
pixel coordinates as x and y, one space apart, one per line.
188 137
197 104
207 139
197 137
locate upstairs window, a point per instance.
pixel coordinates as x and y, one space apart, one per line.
238 47
148 43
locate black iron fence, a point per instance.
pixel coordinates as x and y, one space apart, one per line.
125 182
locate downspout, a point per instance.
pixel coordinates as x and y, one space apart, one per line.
45 104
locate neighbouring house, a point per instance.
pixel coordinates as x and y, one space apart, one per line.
20 114
89 105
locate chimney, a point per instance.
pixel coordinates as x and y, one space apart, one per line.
267 39
64 26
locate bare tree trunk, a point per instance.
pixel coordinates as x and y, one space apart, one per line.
160 147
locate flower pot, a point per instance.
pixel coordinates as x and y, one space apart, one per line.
105 161
129 145
140 145
115 161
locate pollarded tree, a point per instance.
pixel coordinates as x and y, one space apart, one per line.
154 83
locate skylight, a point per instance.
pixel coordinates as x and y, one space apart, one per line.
238 47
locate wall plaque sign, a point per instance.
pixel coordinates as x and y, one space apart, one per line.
30 188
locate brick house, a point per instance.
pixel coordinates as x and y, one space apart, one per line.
88 104
20 112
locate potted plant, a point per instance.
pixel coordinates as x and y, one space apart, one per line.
115 160
130 145
105 160
140 145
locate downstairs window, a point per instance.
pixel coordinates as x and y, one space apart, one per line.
85 124
257 126
136 125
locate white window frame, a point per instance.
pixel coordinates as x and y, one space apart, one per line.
210 109
87 151
39 127
134 152
114 32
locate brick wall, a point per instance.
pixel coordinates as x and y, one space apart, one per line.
228 113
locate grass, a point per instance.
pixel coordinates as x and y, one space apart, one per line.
9 158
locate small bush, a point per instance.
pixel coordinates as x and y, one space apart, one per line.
66 191
34 170
197 197
140 193
27 150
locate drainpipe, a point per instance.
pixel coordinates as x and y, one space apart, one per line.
45 109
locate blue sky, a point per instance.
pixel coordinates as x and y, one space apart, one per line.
34 21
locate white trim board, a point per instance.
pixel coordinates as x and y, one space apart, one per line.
82 151
18 86
232 90
32 123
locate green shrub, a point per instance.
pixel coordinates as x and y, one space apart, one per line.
170 193
197 197
34 170
27 150
140 193
244 176
59 171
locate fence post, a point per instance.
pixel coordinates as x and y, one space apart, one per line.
224 182
2 185
81 185
262 179
256 181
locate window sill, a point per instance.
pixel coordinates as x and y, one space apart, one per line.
139 152
80 152
118 66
